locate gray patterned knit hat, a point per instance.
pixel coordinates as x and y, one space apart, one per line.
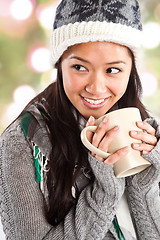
80 21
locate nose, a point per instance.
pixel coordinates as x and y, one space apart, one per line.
96 84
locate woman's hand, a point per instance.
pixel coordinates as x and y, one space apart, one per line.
147 137
143 182
102 138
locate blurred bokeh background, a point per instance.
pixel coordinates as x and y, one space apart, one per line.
25 28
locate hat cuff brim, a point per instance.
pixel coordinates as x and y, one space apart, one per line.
83 32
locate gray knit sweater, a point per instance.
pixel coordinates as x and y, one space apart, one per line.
21 200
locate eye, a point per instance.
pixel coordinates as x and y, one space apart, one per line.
79 67
113 70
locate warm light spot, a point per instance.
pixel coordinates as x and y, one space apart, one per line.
151 33
39 59
23 94
21 9
46 16
149 83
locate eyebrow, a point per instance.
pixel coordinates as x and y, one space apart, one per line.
83 60
116 62
78 58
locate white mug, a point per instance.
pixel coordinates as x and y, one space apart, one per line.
126 119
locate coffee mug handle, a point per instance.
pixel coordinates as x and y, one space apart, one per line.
88 145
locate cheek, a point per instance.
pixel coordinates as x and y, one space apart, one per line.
67 79
71 82
120 87
124 86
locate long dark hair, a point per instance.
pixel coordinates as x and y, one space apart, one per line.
66 152
67 149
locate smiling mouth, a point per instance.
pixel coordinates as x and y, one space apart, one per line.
95 102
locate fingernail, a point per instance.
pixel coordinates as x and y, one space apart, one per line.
105 119
125 149
136 145
140 123
116 128
89 120
134 132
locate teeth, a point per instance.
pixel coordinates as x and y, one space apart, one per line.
94 101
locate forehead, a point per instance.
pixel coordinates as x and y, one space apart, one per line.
98 49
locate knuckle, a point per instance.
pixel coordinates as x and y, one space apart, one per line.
149 128
153 132
99 158
94 137
110 134
101 146
154 140
146 147
109 160
142 136
119 153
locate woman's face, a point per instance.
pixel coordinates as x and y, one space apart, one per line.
95 76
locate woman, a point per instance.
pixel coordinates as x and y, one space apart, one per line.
51 186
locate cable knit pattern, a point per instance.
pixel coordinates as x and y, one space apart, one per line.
20 191
102 201
71 34
21 200
6 213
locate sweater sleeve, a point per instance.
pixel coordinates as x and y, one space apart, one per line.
143 194
21 202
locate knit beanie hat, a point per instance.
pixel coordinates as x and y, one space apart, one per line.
80 21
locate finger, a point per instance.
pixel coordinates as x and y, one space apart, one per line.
90 122
147 127
104 144
142 147
144 152
100 132
116 156
109 136
99 158
143 136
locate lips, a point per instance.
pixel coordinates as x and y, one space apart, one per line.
94 103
